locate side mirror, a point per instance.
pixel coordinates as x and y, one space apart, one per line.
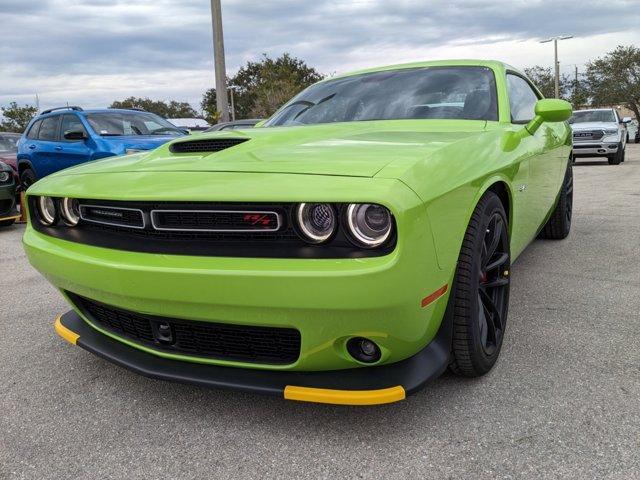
626 120
75 135
549 110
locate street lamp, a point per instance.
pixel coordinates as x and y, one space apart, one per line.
222 105
557 64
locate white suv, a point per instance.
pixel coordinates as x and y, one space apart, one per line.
599 132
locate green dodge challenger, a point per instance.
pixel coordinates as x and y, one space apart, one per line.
347 251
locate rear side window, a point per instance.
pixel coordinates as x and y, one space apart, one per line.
71 123
33 131
49 128
522 99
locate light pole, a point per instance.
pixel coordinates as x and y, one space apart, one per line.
222 104
557 64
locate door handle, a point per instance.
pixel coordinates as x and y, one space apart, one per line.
32 146
58 148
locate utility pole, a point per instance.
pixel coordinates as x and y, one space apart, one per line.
575 87
556 62
222 104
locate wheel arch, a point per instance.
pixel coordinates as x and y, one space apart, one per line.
502 188
25 165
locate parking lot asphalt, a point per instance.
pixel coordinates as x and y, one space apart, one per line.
562 402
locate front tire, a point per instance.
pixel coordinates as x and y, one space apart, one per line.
480 295
618 157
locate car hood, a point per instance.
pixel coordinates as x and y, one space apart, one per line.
358 149
140 142
593 126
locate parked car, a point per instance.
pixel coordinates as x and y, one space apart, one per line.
63 137
235 125
599 132
348 251
8 212
9 150
190 124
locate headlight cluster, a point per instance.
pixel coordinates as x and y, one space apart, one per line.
610 131
367 224
5 177
50 210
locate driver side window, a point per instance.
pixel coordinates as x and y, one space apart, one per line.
522 99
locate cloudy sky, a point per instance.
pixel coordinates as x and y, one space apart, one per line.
91 52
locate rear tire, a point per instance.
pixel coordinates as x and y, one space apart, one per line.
480 295
558 225
27 178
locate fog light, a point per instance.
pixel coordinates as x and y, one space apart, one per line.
363 350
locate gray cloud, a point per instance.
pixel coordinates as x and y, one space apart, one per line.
44 38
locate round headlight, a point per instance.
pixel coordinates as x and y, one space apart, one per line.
70 211
47 210
369 224
4 177
317 221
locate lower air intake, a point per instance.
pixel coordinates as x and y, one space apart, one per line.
201 339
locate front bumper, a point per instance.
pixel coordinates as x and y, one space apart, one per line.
591 149
358 386
8 202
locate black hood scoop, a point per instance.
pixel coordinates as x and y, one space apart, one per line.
208 145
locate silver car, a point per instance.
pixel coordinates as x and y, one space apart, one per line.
599 132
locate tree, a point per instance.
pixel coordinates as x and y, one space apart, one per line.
544 79
171 109
16 118
615 78
209 107
261 87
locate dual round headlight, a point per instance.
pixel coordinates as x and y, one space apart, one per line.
369 225
4 177
49 210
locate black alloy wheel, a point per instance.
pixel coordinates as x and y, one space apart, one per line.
493 286
480 294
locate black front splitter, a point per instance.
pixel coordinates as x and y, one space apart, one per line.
358 386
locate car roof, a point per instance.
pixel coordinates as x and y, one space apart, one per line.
493 64
92 110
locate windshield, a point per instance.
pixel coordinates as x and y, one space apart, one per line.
593 116
9 143
419 93
130 123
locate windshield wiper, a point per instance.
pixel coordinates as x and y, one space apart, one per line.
311 104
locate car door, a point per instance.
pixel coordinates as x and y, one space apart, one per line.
545 165
72 152
43 147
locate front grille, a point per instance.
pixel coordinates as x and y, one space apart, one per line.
216 220
212 229
588 135
240 343
209 145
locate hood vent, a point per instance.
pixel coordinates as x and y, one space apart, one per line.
205 145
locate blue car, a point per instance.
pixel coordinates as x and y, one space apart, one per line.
63 137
